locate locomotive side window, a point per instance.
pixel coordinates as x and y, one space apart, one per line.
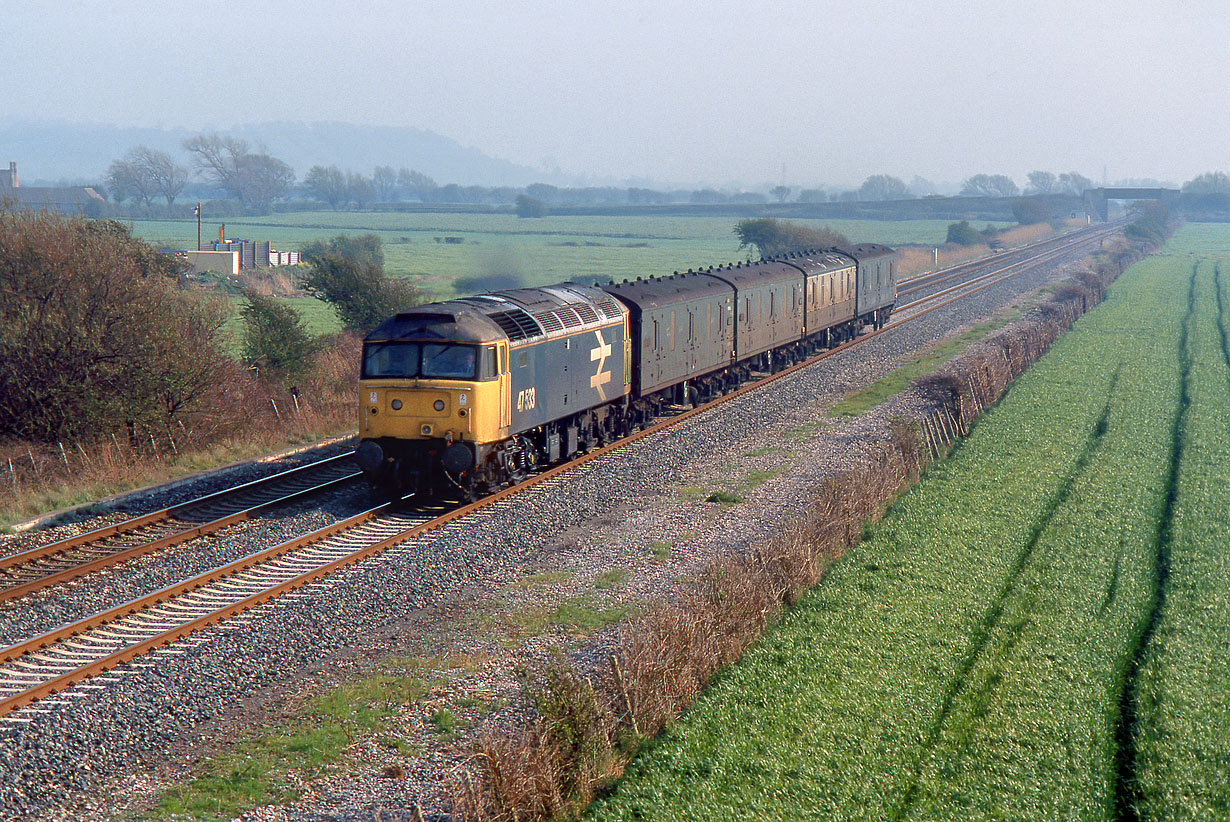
390 359
489 365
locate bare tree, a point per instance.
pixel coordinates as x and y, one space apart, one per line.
254 178
883 187
989 185
359 189
168 177
781 193
326 184
416 183
1042 182
1074 183
218 159
129 180
384 180
1211 182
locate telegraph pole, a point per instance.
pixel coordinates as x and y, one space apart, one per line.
197 212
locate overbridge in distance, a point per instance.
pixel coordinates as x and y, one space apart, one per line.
1096 199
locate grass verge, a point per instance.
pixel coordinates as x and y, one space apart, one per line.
259 769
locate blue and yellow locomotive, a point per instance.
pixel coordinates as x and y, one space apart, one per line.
472 393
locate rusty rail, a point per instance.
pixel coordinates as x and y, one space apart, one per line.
90 538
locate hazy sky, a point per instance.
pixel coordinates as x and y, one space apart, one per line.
709 91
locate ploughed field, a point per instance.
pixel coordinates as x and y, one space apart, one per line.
1039 629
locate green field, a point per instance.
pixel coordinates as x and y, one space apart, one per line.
534 251
1038 630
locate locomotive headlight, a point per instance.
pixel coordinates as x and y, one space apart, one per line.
438 405
426 430
396 405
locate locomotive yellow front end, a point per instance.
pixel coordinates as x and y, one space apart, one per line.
433 394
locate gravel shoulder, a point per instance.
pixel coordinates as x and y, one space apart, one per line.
474 601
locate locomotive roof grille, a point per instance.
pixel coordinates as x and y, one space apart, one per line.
549 321
609 307
517 324
569 317
587 314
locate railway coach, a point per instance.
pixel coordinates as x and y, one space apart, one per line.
473 393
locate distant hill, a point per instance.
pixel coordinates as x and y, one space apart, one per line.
52 151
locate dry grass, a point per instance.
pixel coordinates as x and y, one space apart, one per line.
240 419
915 260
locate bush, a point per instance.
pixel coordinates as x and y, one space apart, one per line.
528 206
348 273
275 339
97 335
1030 210
963 233
772 237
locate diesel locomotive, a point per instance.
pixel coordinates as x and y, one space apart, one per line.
470 394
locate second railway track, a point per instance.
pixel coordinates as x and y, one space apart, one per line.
36 569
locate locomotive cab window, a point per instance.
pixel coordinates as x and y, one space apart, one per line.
411 359
450 361
391 359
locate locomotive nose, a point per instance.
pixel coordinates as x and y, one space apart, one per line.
369 456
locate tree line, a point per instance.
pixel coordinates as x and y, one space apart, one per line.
255 179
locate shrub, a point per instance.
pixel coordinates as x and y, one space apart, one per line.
1030 210
963 233
97 335
348 273
275 339
772 237
528 206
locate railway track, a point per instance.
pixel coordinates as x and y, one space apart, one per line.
961 271
56 563
54 661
